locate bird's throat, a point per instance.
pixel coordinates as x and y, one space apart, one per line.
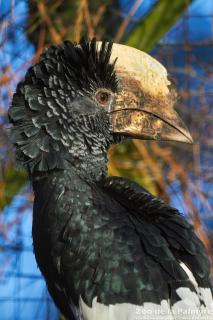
90 168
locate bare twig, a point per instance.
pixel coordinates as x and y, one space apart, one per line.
98 15
78 22
56 37
127 20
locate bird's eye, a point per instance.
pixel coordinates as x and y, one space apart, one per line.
103 97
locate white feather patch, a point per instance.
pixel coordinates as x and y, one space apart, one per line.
187 308
189 273
191 306
125 311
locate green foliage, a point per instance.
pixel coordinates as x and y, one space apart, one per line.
159 20
13 180
126 162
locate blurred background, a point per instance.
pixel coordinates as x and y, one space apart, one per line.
180 35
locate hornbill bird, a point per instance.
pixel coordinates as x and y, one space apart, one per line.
108 249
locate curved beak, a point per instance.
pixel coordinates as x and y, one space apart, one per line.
146 122
144 107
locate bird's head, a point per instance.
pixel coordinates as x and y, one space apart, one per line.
82 97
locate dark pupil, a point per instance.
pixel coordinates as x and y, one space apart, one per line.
103 96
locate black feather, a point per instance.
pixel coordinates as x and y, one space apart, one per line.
40 107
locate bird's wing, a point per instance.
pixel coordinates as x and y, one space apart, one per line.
154 220
179 234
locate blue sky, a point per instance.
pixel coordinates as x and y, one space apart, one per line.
23 293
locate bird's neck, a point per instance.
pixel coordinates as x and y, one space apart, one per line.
87 154
88 157
90 167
